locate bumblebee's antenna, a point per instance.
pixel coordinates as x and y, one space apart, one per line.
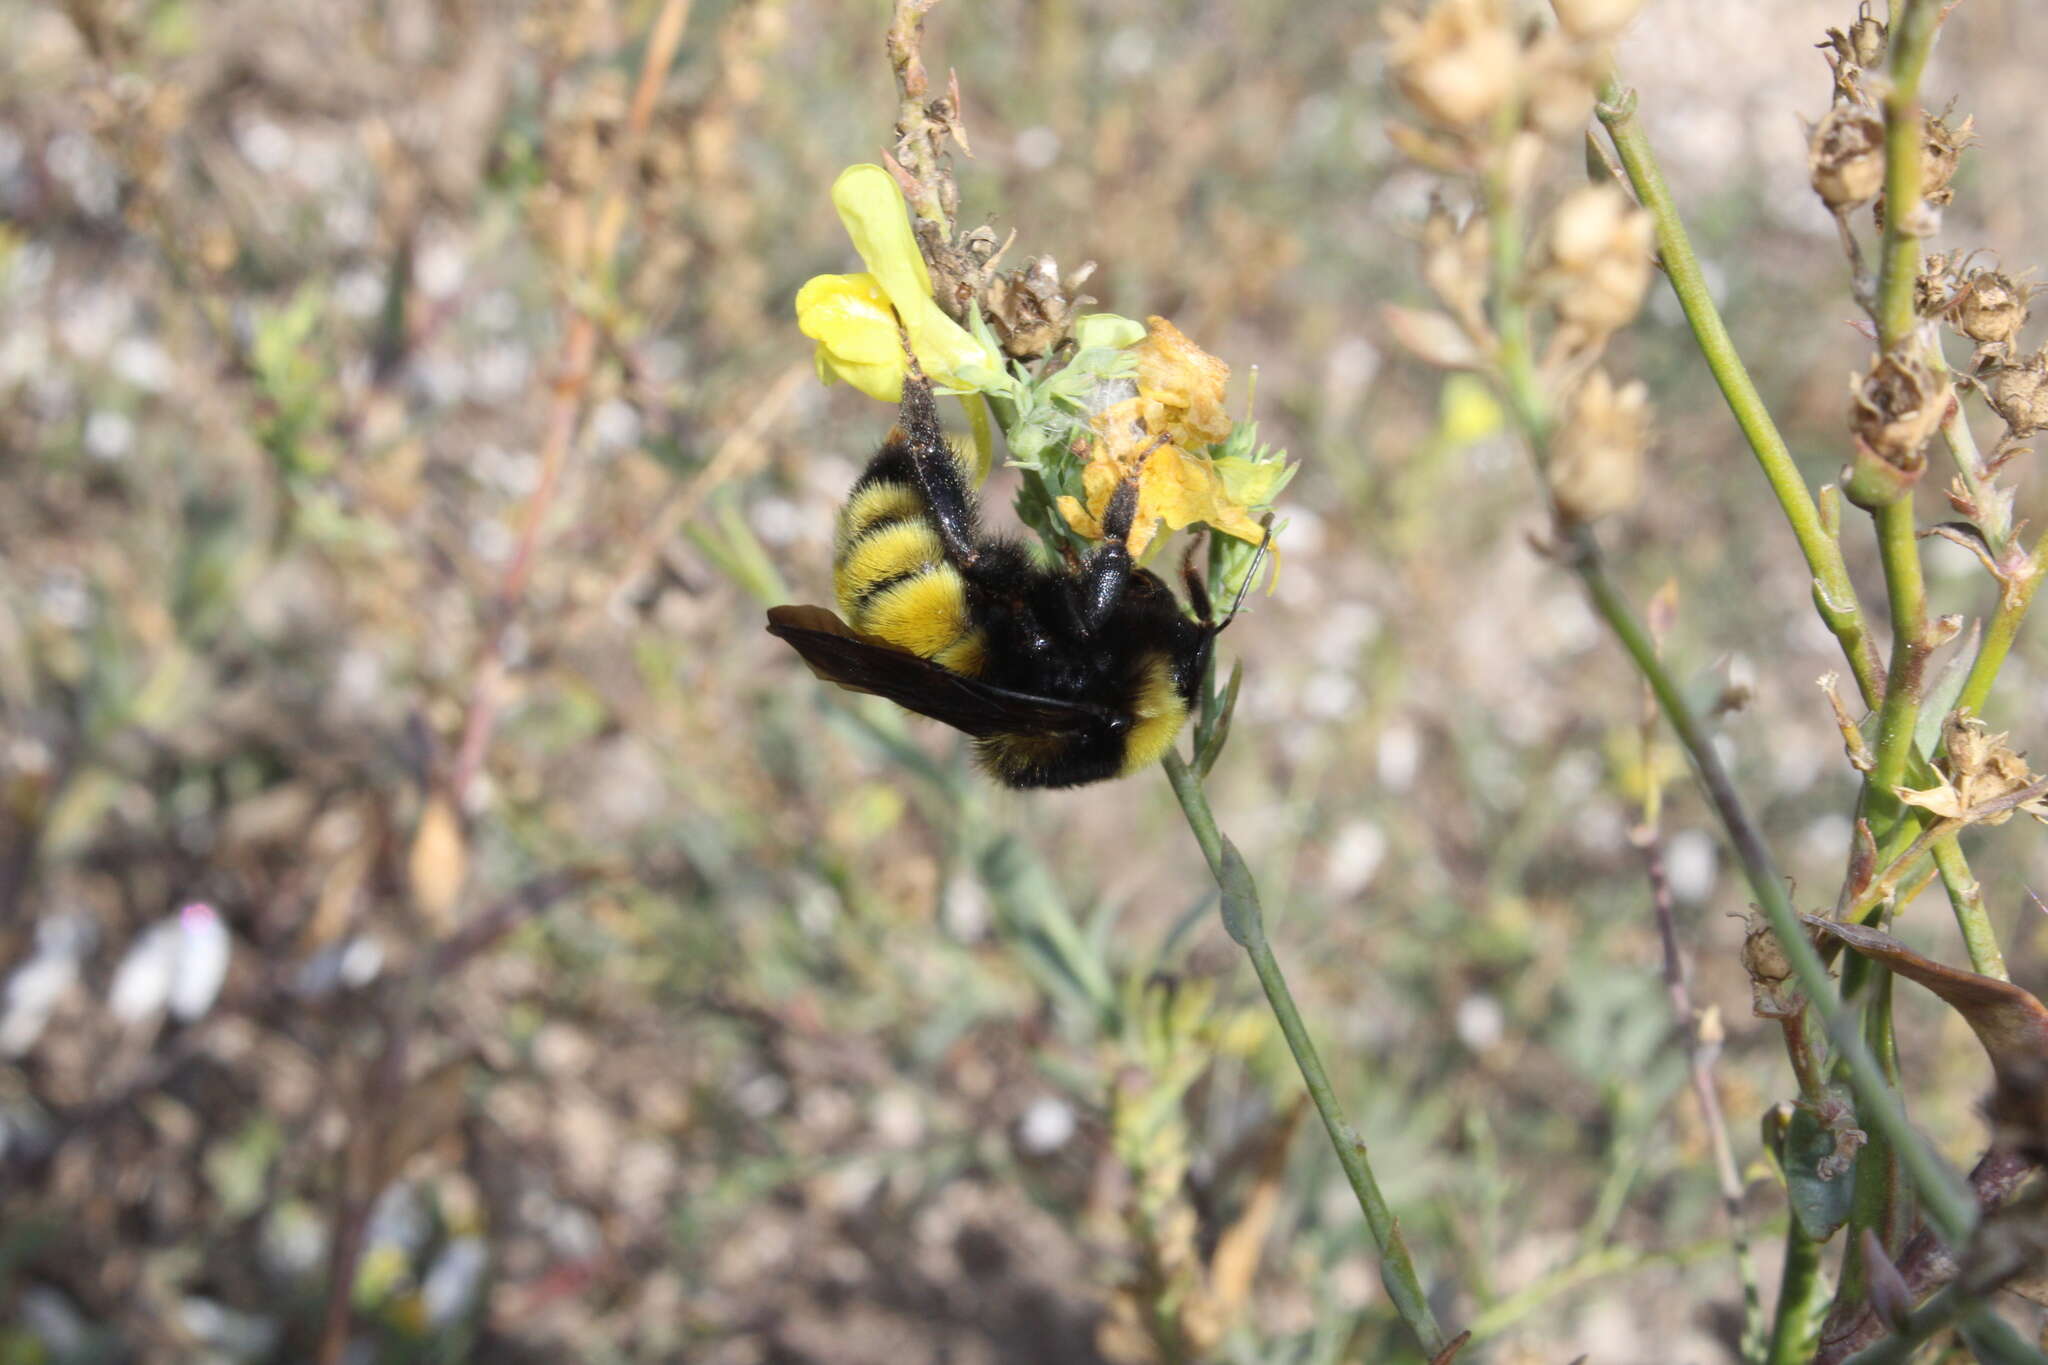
1250 575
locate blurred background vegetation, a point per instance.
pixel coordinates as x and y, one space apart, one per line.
731 1020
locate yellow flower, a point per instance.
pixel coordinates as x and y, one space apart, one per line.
1180 397
859 320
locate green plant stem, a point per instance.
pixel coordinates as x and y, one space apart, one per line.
2016 594
1994 516
1801 1289
1912 38
1246 925
1834 595
1949 1206
1967 898
1899 548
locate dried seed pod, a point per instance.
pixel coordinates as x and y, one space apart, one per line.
1941 152
1559 79
1457 63
1032 308
1846 157
1896 406
1596 459
1457 259
1990 308
1863 45
1597 259
1595 19
1773 995
2019 393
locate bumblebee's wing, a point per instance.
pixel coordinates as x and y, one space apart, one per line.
859 663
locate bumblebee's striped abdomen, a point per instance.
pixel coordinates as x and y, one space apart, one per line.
890 568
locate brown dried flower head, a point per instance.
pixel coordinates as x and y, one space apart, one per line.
1560 77
1846 157
1596 459
1896 407
1977 769
1457 260
1595 19
1941 152
1771 992
2019 393
1597 259
1457 63
1863 45
1990 307
1032 308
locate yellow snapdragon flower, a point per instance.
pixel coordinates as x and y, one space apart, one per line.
859 320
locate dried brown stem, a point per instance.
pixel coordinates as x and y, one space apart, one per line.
565 411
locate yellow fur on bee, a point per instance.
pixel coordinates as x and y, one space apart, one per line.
878 502
926 615
1019 756
899 548
1158 715
968 655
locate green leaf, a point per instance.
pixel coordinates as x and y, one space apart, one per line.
1242 918
1820 1205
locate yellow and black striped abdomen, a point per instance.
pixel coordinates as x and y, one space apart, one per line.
894 581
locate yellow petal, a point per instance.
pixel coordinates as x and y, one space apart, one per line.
876 381
871 205
1080 518
851 315
856 332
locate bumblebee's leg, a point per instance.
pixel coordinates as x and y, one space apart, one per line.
1109 568
938 473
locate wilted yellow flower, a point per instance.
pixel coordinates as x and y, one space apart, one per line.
855 319
1180 398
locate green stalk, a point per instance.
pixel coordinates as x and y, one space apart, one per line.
1949 1205
1834 595
1245 922
2015 595
1795 1326
1899 548
1912 38
1967 898
1993 519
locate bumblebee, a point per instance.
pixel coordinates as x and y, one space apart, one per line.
1063 676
